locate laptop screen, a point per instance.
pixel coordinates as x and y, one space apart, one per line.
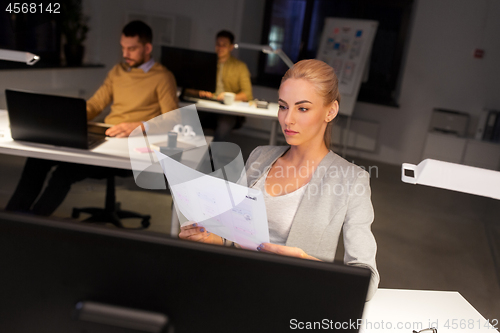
49 119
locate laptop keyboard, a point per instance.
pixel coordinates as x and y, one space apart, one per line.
196 99
94 139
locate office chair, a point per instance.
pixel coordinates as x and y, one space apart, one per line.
111 213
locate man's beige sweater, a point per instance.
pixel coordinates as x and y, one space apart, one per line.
136 96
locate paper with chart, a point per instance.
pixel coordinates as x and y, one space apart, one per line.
346 45
232 211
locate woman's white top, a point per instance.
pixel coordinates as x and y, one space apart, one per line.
280 210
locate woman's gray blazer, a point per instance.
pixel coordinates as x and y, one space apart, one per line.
337 199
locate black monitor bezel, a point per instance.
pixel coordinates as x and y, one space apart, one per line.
192 69
71 245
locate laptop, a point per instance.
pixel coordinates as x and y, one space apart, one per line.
53 120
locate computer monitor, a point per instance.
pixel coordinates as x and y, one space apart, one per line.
65 276
192 69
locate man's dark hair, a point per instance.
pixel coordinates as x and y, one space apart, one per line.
227 34
138 28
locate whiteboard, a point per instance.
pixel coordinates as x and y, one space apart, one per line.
346 45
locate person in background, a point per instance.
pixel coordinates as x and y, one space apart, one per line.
232 76
138 88
311 193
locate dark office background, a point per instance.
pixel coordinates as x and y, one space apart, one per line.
296 27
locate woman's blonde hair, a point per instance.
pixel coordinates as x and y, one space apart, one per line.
324 80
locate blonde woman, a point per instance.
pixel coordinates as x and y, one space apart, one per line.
311 194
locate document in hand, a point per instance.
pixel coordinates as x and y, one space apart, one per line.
232 211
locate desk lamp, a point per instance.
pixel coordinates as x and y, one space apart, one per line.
455 177
266 49
28 58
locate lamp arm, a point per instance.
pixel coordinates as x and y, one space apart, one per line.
26 57
263 48
284 57
266 49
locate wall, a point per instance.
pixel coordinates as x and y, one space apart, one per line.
251 32
440 71
69 82
197 22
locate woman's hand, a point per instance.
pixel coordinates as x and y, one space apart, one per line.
195 233
284 251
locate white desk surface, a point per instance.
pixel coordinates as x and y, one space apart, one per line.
237 108
447 311
242 109
114 152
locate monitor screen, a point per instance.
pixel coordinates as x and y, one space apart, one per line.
65 276
192 69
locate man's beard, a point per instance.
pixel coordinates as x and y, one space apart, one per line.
136 63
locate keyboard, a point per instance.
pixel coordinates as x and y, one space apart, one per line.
196 99
94 140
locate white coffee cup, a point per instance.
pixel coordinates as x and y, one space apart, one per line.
229 98
185 130
188 131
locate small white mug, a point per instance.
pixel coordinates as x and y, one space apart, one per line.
178 128
229 98
188 131
185 130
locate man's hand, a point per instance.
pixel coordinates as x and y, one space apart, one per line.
238 97
205 94
195 233
285 251
122 130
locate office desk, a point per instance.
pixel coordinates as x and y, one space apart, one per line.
242 109
448 311
113 153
